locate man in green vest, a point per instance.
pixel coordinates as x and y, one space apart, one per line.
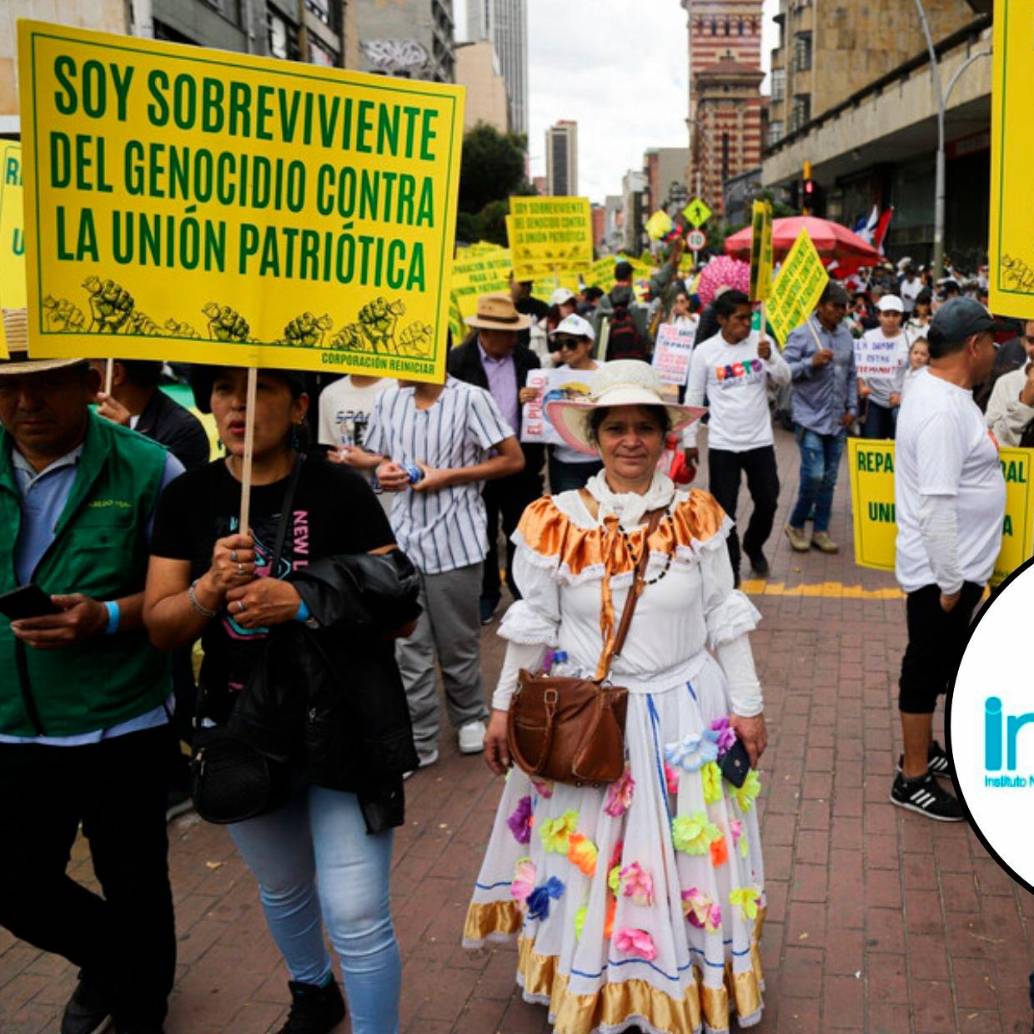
83 720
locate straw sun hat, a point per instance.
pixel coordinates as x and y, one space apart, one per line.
497 312
621 382
17 336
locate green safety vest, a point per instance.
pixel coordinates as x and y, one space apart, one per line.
100 549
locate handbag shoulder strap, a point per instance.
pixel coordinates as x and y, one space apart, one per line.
285 512
635 590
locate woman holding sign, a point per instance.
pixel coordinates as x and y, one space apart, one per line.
287 639
637 902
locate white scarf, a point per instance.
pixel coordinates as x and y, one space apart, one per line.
630 507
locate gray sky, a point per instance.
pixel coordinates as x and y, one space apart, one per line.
619 70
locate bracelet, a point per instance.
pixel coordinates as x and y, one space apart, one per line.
302 614
195 604
114 616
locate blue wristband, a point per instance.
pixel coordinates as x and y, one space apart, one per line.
114 616
303 612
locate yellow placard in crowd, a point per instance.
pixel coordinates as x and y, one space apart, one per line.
12 233
871 465
658 225
797 288
475 275
219 208
1011 250
601 272
549 235
761 252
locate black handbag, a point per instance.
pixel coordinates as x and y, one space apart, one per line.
232 778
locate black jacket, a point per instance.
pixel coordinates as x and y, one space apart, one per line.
330 699
168 423
464 363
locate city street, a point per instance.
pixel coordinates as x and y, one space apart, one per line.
878 920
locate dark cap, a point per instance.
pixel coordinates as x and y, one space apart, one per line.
961 318
623 270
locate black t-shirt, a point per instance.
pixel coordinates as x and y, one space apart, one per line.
334 512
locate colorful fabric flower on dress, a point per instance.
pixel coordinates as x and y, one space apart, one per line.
701 911
747 899
693 750
582 852
719 852
612 911
543 787
744 795
579 921
555 832
637 884
619 794
520 821
671 777
538 899
635 942
711 777
615 855
523 879
614 879
726 735
693 833
739 837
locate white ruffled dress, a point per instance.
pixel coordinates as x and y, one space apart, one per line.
639 904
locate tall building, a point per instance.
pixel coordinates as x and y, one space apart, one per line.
666 169
477 68
633 192
410 39
827 50
562 159
724 93
505 23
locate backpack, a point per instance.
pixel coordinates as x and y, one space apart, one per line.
625 341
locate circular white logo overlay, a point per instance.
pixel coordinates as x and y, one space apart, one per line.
990 719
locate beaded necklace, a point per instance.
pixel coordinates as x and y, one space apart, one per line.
646 545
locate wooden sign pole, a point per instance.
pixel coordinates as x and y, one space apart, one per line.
249 449
109 373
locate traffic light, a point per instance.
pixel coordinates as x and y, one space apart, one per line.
808 199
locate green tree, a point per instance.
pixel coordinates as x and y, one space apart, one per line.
492 167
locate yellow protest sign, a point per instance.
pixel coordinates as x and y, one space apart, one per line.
761 252
797 288
220 208
475 275
1011 251
871 464
549 235
658 225
481 247
601 272
12 234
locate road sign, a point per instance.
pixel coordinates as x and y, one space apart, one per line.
697 212
697 240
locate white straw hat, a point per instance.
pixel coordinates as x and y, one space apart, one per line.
621 382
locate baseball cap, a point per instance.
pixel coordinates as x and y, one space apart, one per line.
890 303
561 295
576 326
960 319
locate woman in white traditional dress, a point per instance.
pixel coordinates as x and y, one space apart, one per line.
639 904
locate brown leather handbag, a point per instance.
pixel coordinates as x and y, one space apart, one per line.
569 729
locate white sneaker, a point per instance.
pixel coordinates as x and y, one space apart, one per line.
472 738
425 760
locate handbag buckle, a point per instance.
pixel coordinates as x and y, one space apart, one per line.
551 696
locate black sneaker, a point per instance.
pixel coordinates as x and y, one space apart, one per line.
939 762
923 795
314 1010
759 565
87 1011
488 606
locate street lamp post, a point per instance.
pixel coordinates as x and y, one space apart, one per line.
942 104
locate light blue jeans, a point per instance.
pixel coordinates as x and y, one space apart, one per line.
820 464
320 834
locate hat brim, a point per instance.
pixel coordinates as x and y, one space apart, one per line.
486 323
19 367
570 417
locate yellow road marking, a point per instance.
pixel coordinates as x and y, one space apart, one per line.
823 590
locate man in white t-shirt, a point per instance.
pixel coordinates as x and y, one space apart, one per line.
881 359
345 408
910 287
733 369
950 502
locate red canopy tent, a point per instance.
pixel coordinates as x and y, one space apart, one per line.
832 241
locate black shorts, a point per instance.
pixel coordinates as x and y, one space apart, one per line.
936 642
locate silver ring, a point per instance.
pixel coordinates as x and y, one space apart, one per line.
240 607
240 569
233 556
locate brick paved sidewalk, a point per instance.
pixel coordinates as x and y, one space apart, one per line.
879 921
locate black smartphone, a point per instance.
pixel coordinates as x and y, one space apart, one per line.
27 601
735 763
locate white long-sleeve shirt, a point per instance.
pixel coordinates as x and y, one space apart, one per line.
1006 415
735 382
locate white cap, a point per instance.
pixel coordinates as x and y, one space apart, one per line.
576 326
890 303
906 261
561 295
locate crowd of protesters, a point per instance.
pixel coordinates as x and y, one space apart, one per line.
371 561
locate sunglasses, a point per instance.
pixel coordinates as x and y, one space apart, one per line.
564 342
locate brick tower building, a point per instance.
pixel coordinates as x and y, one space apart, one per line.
724 93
